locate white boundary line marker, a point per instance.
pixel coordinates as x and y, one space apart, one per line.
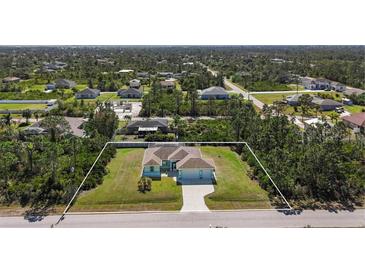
164 143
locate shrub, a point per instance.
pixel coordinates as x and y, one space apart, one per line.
145 184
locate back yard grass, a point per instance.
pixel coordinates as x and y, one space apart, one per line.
234 189
119 192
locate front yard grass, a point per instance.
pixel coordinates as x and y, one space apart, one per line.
234 189
119 192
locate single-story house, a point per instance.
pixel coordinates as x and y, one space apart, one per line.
338 86
313 122
75 124
347 102
185 163
11 80
143 75
167 85
87 93
353 91
64 83
165 74
293 100
130 93
326 104
214 93
355 121
143 127
135 83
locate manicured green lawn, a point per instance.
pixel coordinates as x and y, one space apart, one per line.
234 189
270 98
355 108
119 190
21 106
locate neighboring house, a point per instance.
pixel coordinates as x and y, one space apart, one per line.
316 84
355 121
87 93
313 122
167 85
11 80
64 83
353 91
214 93
74 122
338 87
293 100
143 127
347 101
165 74
326 104
143 75
135 83
130 93
185 163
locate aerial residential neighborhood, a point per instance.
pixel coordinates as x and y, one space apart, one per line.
178 137
181 131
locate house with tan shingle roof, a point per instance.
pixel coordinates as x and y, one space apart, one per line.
184 163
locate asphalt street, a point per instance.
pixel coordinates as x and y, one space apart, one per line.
245 218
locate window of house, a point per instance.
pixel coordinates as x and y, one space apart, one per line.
152 168
201 174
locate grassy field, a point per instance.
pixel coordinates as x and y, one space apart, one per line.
234 189
119 191
270 98
21 106
354 108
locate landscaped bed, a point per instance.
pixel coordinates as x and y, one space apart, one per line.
234 189
119 191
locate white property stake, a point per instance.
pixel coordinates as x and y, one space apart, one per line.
106 144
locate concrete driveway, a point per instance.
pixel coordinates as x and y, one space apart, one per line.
193 197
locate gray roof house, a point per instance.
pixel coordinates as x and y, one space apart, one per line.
87 93
184 163
143 127
130 93
293 100
64 83
214 93
326 104
353 91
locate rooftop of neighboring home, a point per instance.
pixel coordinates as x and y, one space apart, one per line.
149 123
91 91
65 82
126 71
74 122
315 100
214 91
186 157
353 91
129 91
167 83
356 119
11 79
135 81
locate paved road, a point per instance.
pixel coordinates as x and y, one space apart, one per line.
237 90
249 218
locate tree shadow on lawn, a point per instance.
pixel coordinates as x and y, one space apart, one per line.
330 207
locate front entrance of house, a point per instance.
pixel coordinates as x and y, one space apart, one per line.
173 166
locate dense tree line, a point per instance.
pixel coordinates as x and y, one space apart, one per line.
45 170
